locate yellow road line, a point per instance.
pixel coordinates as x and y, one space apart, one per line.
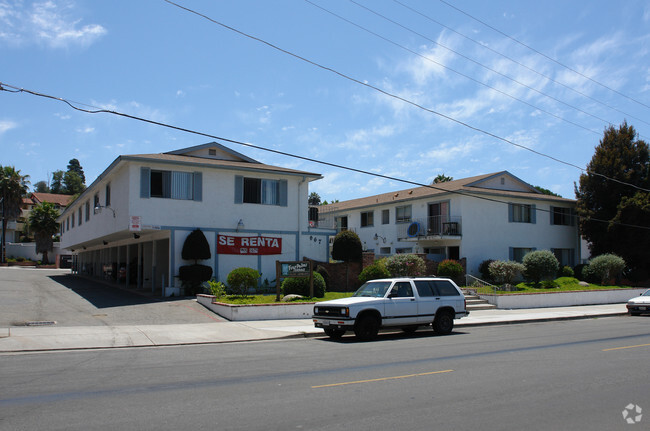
626 347
381 379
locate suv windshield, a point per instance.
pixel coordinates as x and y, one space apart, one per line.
376 289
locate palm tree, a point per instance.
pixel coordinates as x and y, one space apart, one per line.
42 222
13 187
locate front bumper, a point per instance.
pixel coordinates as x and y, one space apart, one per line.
329 323
638 308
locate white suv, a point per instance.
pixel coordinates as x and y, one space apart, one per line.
405 303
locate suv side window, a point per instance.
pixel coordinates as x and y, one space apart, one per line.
445 288
402 289
425 288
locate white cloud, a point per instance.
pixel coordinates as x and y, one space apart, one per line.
48 22
86 129
6 125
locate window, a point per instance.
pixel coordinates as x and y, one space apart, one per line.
212 152
445 288
107 201
404 250
260 191
79 216
384 250
403 214
385 216
425 288
96 201
521 213
87 210
517 253
562 216
367 219
402 289
171 184
68 223
342 223
72 217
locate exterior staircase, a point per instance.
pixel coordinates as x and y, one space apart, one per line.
474 302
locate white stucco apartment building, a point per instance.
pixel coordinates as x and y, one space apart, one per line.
493 216
134 218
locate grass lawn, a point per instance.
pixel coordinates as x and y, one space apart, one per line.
270 299
562 284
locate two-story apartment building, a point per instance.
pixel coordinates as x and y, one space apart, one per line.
492 216
134 218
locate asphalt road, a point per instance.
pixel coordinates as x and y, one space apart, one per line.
542 376
41 295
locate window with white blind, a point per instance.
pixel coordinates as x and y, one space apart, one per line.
171 184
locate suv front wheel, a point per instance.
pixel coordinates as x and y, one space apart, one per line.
366 328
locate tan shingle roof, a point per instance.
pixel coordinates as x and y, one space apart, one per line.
462 186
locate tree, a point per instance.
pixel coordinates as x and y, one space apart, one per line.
75 166
603 202
41 187
347 247
57 182
546 191
73 183
314 199
42 222
441 178
13 187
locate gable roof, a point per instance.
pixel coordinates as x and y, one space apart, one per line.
54 198
212 150
477 185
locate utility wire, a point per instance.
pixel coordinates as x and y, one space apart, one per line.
461 73
519 63
544 55
394 96
14 89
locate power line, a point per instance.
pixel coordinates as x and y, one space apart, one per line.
394 96
97 110
484 46
544 55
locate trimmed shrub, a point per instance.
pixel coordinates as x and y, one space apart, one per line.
505 271
450 268
196 246
603 268
216 288
240 280
578 272
539 265
325 274
300 286
192 276
375 271
347 247
566 271
405 265
484 269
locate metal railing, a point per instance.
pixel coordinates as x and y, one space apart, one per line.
435 226
473 283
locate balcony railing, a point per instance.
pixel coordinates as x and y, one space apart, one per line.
430 227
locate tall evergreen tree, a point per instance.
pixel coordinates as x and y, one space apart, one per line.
75 166
623 158
57 182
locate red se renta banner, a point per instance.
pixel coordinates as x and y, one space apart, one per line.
255 245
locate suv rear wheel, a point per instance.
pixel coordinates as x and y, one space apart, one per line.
366 328
443 324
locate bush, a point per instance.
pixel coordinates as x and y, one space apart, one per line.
484 269
375 271
565 271
405 265
300 286
240 280
196 246
325 274
539 265
505 271
347 247
192 276
217 288
450 268
578 272
603 268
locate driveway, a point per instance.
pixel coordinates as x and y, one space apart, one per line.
30 295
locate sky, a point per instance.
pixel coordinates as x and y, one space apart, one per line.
408 89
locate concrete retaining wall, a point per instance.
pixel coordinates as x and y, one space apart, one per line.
562 299
257 311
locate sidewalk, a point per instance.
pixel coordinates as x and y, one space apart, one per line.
51 337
